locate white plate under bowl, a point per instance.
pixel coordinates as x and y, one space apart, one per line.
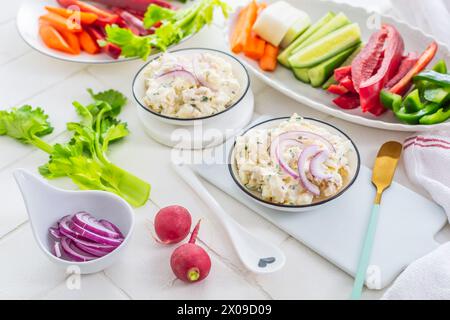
354 165
28 26
284 81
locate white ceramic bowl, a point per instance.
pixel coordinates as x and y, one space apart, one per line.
146 117
354 164
47 204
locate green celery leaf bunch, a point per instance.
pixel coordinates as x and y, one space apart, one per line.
84 157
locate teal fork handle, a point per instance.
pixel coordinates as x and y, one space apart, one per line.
366 252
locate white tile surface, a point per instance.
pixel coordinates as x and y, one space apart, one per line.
144 272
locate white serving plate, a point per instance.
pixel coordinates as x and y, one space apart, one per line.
28 26
284 81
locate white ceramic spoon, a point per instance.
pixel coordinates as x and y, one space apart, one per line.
257 255
47 204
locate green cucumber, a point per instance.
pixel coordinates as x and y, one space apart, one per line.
334 24
327 47
301 74
320 73
284 55
296 30
347 62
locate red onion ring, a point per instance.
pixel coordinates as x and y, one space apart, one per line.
88 222
316 168
285 166
75 254
307 153
178 73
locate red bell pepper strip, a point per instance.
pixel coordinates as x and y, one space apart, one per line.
424 60
342 72
347 83
99 35
337 89
347 101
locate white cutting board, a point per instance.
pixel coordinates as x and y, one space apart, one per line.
407 225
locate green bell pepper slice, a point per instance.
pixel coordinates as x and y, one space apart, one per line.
443 114
432 76
414 118
437 95
412 102
440 67
391 100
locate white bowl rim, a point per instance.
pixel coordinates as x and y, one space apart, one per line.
284 206
199 118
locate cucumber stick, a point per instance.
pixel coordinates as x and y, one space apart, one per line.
284 55
347 62
334 24
300 26
301 74
320 73
327 47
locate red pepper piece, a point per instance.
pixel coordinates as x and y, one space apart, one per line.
347 83
424 60
337 89
347 101
342 72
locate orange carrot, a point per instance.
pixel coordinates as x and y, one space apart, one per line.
87 43
61 23
53 39
246 29
254 46
261 7
269 60
82 17
72 40
237 46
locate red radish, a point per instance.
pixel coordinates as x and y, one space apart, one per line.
190 262
172 224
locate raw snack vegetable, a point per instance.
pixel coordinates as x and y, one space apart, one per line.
190 262
428 103
172 224
175 26
81 237
137 6
84 157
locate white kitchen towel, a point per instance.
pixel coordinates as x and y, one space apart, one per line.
430 16
426 158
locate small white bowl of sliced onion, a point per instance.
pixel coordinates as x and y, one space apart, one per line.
86 229
315 148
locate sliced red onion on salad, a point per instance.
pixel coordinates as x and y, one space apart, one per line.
316 167
306 154
279 156
182 73
81 237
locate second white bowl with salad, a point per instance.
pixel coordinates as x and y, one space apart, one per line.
293 163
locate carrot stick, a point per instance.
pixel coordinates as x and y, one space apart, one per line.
82 17
61 23
87 43
236 45
246 29
254 47
269 60
53 39
72 40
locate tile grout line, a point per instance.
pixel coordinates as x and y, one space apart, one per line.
123 291
15 58
12 231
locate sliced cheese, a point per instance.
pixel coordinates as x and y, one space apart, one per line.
274 21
